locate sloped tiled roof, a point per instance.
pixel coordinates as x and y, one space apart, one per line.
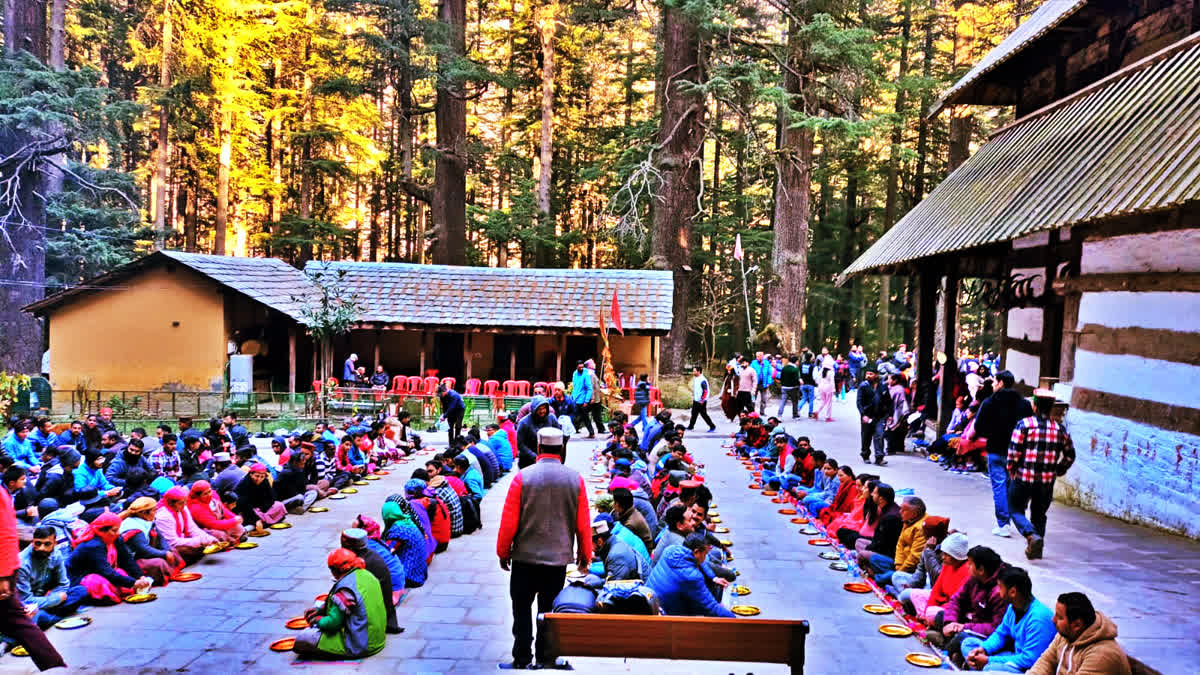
1128 144
447 295
1044 19
270 281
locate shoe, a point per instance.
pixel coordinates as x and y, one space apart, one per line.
515 666
828 419
1001 532
559 664
395 631
866 458
879 461
1033 550
712 430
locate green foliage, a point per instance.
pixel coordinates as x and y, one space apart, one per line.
11 386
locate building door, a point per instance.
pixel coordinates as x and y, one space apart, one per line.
504 348
448 356
579 348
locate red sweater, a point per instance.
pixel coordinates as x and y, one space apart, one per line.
9 560
204 517
947 584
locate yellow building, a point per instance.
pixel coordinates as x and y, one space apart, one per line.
169 321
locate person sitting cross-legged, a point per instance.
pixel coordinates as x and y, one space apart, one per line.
211 514
256 499
679 525
619 559
908 547
103 564
178 529
1018 642
927 604
1086 641
680 583
351 622
42 582
140 533
355 540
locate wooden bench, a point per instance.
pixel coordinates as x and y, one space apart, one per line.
692 638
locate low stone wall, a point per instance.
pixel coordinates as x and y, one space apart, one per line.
1134 472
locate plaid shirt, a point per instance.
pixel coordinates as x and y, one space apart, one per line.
1038 447
166 465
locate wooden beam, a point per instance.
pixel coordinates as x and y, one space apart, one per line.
654 359
926 318
1141 282
378 338
1150 343
424 339
1161 415
950 371
512 360
292 358
467 356
558 357
1030 347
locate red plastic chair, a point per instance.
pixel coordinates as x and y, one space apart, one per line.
655 401
431 384
523 388
316 386
415 385
399 384
491 388
510 387
331 386
449 382
472 386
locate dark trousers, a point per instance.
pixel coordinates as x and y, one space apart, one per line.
1037 496
527 583
868 432
745 402
895 438
455 420
19 627
700 408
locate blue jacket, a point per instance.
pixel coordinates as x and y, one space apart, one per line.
1020 643
857 361
502 449
641 393
452 402
621 562
680 586
348 374
653 433
765 371
21 451
119 468
474 482
635 544
581 387
395 567
89 480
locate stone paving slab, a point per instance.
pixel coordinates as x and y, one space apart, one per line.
460 620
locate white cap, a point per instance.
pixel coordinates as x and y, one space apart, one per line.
550 436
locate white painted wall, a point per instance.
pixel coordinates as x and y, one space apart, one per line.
1024 367
1138 377
1161 310
1032 240
1134 472
1025 323
1177 250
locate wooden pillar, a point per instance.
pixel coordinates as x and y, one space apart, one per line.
378 338
562 349
292 359
950 371
654 359
512 359
467 354
424 339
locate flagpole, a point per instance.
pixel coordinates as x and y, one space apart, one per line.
746 298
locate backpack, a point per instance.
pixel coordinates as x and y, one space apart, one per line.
472 519
575 599
627 597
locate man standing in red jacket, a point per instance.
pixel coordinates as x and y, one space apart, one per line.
545 513
14 621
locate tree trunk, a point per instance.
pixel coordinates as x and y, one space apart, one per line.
793 168
162 150
678 153
926 99
893 173
449 205
547 16
23 248
226 151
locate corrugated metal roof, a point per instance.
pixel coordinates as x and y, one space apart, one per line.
1128 144
270 281
1044 19
449 295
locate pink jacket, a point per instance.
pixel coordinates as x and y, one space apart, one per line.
178 528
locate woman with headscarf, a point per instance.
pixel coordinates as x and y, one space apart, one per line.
140 533
177 527
424 499
256 502
729 400
352 621
212 516
102 563
419 515
403 537
395 567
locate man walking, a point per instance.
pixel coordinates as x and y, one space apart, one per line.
808 382
868 411
1039 452
545 513
700 393
747 385
766 375
789 386
581 395
998 415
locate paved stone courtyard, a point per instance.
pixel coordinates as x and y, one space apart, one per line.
460 622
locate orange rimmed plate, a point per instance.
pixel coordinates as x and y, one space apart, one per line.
755 486
856 587
371 477
349 491
770 493
715 520
322 597
877 609
800 521
385 473
281 526
895 630
139 598
257 533
721 530
246 545
19 651
284 645
923 659
296 623
188 576
745 610
818 542
338 496
778 500
788 512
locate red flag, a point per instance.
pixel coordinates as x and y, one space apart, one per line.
737 247
616 314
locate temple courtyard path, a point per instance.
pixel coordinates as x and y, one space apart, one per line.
460 620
